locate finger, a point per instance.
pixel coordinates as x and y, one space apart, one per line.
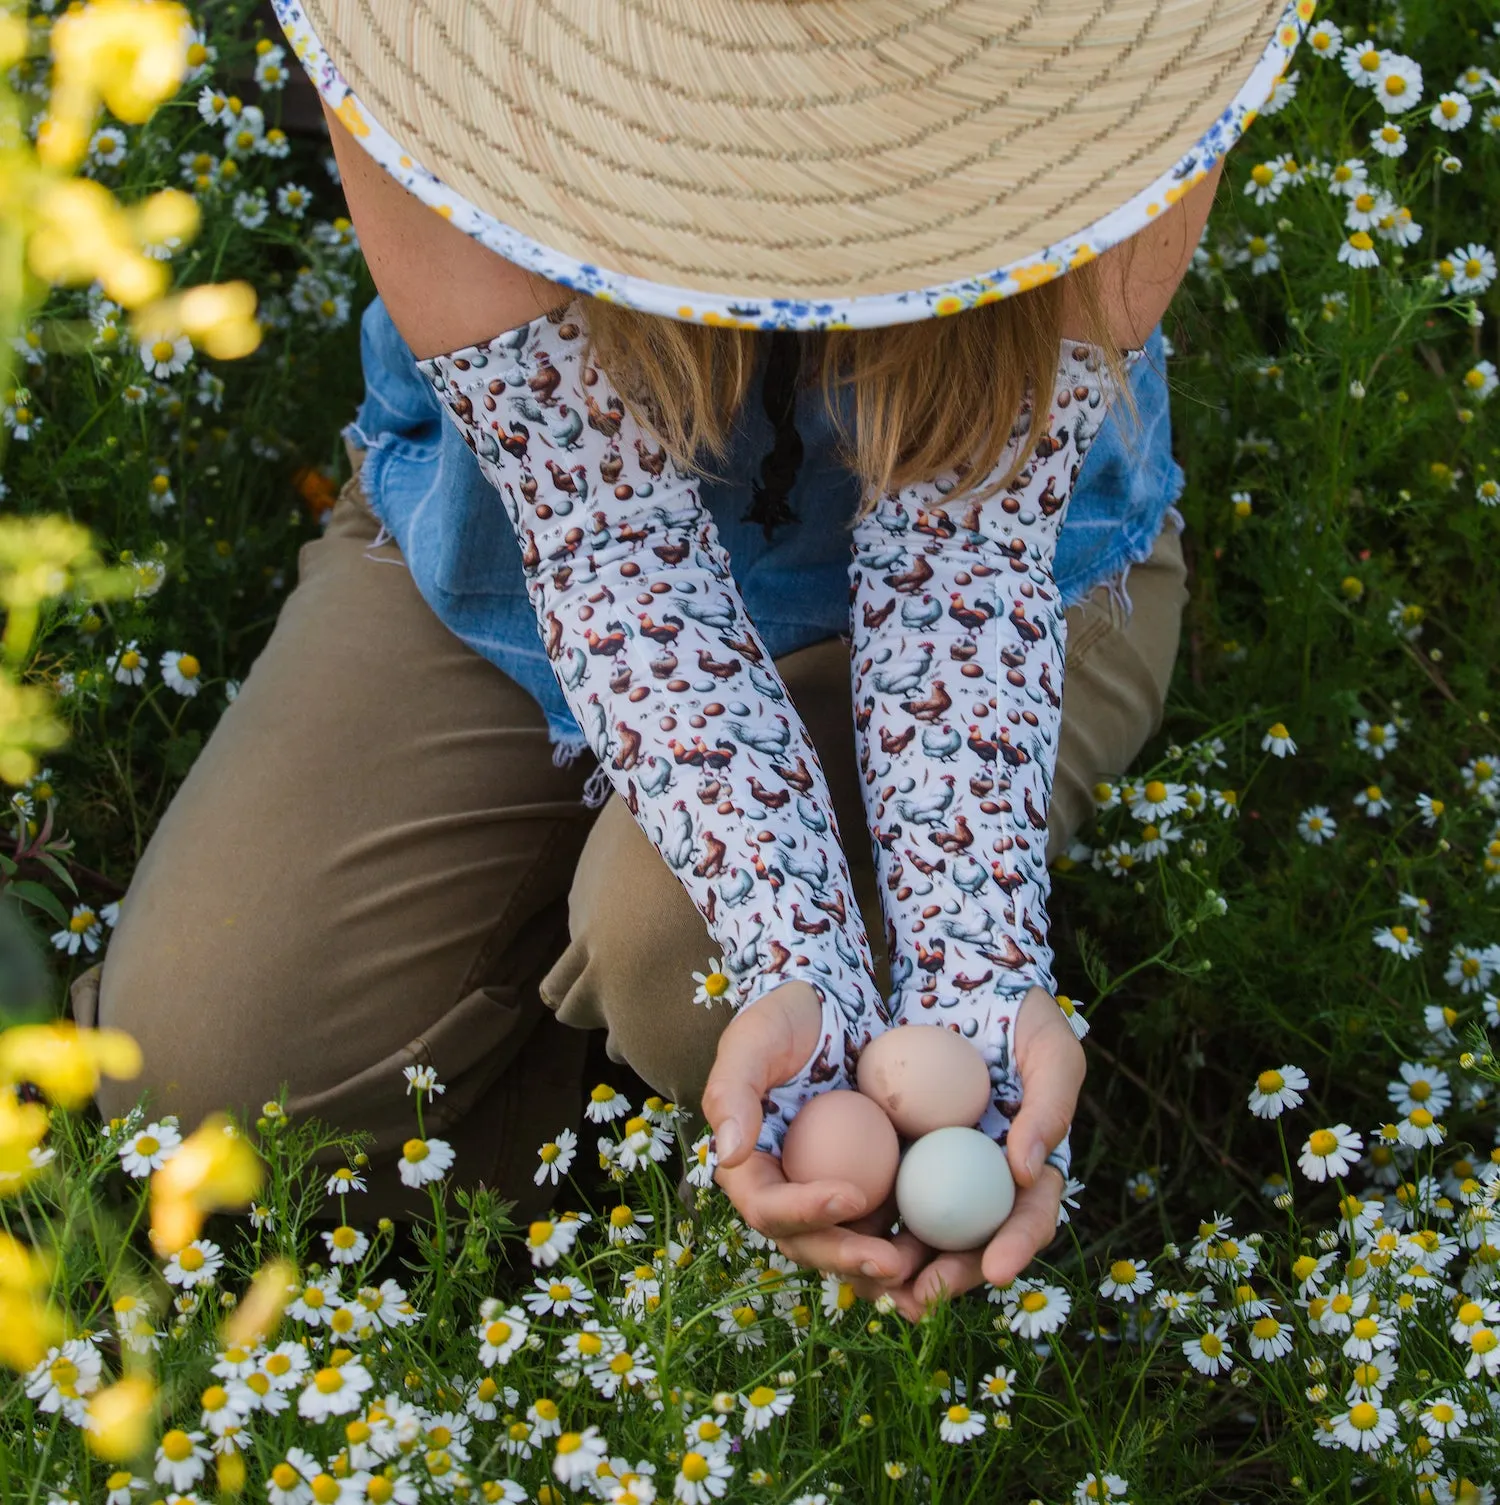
1052 1065
847 1254
1031 1226
949 1275
779 1208
912 1254
740 1076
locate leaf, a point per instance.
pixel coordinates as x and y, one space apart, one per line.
60 869
40 897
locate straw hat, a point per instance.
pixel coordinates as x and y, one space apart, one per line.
796 163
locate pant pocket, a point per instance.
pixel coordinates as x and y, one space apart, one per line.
468 1048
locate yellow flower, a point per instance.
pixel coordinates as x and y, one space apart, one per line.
120 1418
256 1317
214 1170
66 1062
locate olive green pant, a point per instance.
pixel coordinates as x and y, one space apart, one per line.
375 863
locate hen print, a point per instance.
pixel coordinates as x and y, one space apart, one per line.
672 685
958 648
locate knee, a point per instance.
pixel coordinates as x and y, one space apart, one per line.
635 941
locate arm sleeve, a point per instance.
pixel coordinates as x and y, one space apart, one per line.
669 680
959 640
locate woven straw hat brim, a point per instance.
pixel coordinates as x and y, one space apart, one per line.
796 163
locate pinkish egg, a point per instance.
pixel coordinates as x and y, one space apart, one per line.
842 1136
925 1077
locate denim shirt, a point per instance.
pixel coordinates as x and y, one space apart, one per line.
424 484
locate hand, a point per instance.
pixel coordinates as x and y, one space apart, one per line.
1051 1064
766 1045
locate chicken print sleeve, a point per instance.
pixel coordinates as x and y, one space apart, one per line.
669 680
958 645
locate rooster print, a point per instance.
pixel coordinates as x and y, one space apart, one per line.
958 640
674 689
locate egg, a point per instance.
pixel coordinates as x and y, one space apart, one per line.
955 1188
925 1077
841 1135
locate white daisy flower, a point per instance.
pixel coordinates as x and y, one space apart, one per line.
107 146
548 1240
423 1081
1329 1152
335 1390
149 1150
763 1405
1269 1339
500 1335
194 1265
1093 1488
606 1104
64 1376
317 1301
702 1477
1480 382
181 1459
578 1457
251 208
1278 742
1442 1417
244 132
1158 798
83 930
1325 40
1420 1086
181 672
293 200
1452 112
1316 826
424 1160
1388 140
1277 1090
1126 1280
557 1158
346 1245
1376 737
1037 1309
1398 83
1364 1427
1398 940
1362 62
626 1226
163 357
128 664
1358 251
270 69
1209 1352
1474 269
713 984
558 1296
1419 1129
1372 800
344 1180
959 1424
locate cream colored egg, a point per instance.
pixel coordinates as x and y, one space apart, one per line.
926 1077
955 1188
842 1136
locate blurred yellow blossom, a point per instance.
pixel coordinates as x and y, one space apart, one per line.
215 1170
120 1418
67 1062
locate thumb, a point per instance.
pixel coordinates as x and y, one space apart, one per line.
741 1073
1051 1063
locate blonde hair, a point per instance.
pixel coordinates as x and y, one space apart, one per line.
929 397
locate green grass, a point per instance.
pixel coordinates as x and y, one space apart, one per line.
1362 585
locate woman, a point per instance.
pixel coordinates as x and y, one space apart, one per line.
557 575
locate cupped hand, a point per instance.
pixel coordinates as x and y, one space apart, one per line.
1051 1065
765 1046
